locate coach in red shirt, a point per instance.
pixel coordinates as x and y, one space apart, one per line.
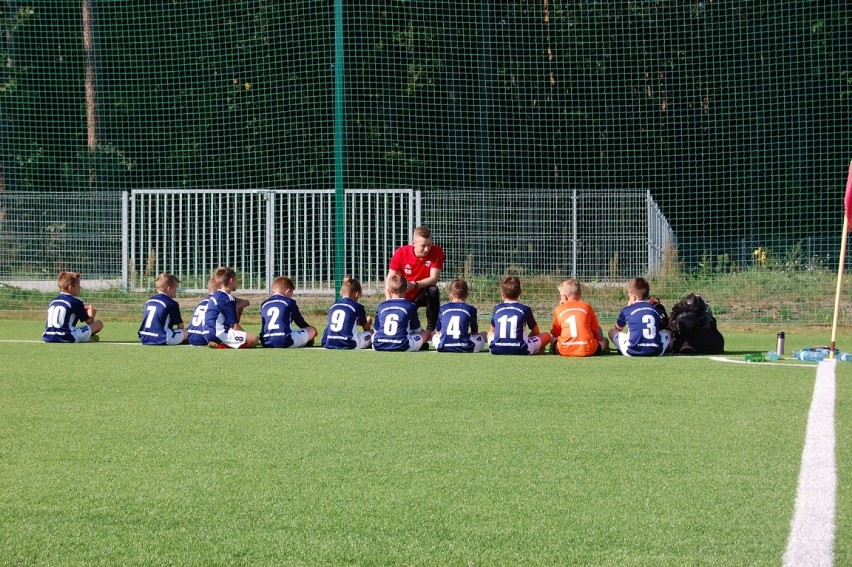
420 263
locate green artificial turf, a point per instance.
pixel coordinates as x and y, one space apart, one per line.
122 454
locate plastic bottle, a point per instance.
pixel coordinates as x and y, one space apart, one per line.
811 355
772 355
845 357
755 357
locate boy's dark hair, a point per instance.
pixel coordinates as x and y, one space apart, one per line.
397 284
458 289
639 287
510 286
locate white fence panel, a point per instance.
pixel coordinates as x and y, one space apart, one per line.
264 234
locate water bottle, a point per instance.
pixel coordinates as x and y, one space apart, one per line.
754 357
779 344
811 355
773 355
845 357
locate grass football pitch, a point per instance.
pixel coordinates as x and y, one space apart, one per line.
121 454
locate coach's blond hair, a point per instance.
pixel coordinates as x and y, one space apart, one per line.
423 232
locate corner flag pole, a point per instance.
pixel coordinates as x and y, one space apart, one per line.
847 205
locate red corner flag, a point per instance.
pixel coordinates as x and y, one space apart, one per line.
848 199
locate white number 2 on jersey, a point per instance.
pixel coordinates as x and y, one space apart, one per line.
274 316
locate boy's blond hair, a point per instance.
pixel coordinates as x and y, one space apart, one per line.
67 280
396 285
165 280
350 286
221 276
458 289
510 287
282 284
571 289
639 287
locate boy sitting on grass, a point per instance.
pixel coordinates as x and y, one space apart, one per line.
457 329
162 323
222 318
513 327
278 313
66 310
575 330
639 328
397 326
345 315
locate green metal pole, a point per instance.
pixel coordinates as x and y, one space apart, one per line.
339 138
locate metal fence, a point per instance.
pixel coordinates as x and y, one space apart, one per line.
44 233
126 239
592 235
263 234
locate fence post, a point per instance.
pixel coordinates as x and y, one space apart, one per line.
339 125
650 232
132 230
418 211
270 238
125 235
574 233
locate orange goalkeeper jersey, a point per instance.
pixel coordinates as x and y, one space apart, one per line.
576 326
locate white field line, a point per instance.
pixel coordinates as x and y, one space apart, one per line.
811 540
732 361
23 341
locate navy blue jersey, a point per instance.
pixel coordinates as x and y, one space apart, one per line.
195 330
456 322
643 323
343 320
278 313
63 313
221 315
395 319
512 322
160 316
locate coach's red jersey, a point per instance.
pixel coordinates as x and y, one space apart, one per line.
413 268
